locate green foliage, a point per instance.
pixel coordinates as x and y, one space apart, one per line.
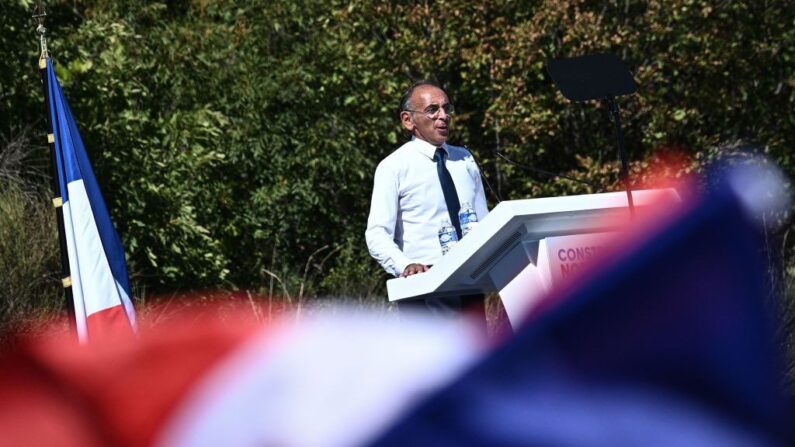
20 91
709 72
233 138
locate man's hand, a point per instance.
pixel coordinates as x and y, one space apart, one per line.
412 269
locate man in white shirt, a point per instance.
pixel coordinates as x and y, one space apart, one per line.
409 205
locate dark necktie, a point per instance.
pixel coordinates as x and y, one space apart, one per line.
448 188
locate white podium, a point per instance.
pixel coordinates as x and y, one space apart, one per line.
523 247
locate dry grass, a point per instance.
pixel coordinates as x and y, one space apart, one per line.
29 258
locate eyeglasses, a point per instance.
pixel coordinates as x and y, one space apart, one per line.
432 111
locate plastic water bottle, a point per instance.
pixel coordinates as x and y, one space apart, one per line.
447 236
468 218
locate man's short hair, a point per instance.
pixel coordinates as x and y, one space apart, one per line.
405 100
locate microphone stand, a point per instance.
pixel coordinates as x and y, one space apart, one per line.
612 108
600 77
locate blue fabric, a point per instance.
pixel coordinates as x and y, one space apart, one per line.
670 344
73 165
448 188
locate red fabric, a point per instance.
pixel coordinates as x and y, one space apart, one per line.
112 321
36 410
111 392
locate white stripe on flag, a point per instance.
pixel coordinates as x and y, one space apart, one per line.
335 380
93 286
74 272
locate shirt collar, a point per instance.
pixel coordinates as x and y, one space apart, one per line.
427 149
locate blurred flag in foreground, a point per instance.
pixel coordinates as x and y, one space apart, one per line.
98 271
667 343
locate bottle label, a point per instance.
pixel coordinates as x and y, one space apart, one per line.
447 238
468 219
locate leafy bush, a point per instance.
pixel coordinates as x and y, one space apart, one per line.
233 138
236 138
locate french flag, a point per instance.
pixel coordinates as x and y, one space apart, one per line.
100 284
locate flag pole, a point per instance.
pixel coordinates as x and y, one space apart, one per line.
40 15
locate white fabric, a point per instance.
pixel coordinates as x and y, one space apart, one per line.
94 288
408 207
74 271
334 380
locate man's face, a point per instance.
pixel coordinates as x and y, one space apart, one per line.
433 129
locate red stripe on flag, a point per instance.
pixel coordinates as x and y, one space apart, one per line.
112 321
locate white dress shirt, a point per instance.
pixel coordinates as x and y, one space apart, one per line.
408 207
